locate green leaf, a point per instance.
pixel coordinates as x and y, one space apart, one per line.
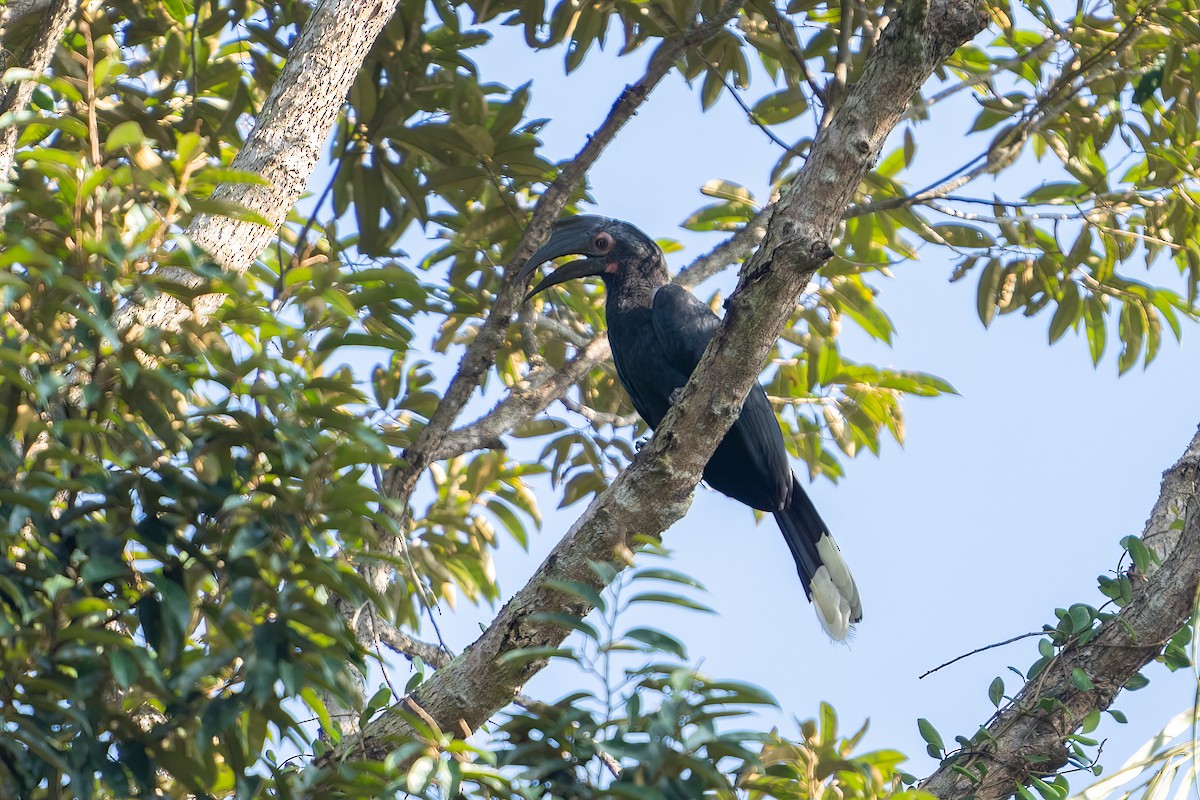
528 655
1068 311
420 774
1096 326
125 134
658 640
1138 681
588 594
996 691
670 599
728 190
1148 84
124 668
957 234
179 10
1142 557
569 621
1131 329
662 574
781 106
932 738
988 295
1081 680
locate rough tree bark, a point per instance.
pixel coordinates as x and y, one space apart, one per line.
656 489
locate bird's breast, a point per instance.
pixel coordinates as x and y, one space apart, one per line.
642 365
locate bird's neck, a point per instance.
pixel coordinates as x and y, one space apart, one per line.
632 288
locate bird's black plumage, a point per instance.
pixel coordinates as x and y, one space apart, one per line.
658 332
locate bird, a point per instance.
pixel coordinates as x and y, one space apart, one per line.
658 331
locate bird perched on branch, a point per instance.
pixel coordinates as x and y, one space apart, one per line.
658 331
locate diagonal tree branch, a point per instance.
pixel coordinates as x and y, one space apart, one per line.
523 401
731 251
1027 738
656 489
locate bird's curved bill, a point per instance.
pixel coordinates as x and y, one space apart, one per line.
567 240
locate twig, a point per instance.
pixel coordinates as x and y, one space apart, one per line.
731 251
373 618
599 417
560 330
522 401
750 115
411 647
791 43
980 650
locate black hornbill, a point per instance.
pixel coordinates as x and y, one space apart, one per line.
658 331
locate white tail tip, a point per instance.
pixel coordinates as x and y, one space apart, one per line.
834 594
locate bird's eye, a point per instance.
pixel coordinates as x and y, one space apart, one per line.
603 242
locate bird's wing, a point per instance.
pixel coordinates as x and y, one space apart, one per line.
683 325
751 463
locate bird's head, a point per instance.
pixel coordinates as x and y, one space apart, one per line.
616 251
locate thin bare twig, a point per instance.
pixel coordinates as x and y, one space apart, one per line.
978 650
599 417
750 115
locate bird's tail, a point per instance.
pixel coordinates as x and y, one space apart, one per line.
824 573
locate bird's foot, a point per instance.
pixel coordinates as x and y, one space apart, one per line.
638 444
673 398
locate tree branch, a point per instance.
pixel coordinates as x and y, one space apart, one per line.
523 401
731 251
410 647
283 148
1026 739
656 489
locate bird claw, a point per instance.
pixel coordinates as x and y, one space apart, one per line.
674 396
640 443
